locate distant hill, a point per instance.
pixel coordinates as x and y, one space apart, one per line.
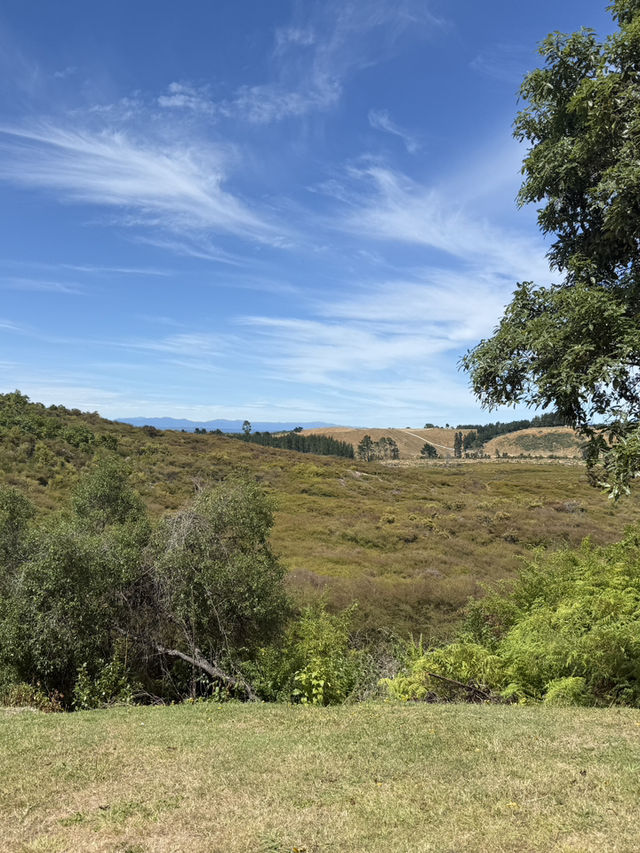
410 441
224 425
546 441
538 442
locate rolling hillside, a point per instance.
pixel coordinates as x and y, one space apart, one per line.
409 543
536 442
409 441
547 441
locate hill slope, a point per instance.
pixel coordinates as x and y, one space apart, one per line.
547 441
537 442
410 441
411 544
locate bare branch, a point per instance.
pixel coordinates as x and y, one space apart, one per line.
211 669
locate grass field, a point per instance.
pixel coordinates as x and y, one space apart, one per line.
365 779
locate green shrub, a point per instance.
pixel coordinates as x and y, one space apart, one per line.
567 691
315 664
468 663
21 695
111 686
567 631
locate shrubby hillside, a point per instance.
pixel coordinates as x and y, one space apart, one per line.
409 544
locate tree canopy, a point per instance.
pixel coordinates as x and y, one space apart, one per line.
575 345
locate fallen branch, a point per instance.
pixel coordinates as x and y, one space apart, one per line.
211 669
490 697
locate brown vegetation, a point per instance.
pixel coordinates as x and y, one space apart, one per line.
409 543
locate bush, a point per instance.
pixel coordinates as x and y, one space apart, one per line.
67 594
567 631
217 586
23 695
111 686
315 663
468 663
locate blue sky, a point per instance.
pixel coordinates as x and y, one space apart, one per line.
273 210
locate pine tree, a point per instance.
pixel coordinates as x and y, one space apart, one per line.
457 445
366 449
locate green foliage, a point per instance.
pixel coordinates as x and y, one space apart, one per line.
217 585
365 450
104 496
314 664
466 662
66 592
567 630
575 345
16 512
457 445
385 448
324 445
428 451
22 695
111 685
567 691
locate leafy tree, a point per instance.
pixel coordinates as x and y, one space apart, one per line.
386 448
246 427
470 440
575 345
16 512
428 451
104 496
218 590
67 597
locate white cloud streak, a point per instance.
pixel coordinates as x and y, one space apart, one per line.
381 120
179 188
386 205
37 285
313 58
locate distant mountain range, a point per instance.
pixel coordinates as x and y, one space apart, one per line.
225 426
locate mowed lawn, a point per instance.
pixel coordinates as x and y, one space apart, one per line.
372 777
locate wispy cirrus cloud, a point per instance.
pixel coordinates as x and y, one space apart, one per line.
189 97
506 63
177 187
381 120
384 204
39 285
312 59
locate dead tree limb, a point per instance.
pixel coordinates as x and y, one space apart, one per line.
471 688
211 669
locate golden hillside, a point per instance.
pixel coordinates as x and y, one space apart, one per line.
541 441
536 442
409 441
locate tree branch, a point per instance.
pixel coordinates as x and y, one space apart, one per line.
470 687
211 669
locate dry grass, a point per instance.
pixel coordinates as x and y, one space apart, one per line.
541 442
538 442
410 441
409 543
376 777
